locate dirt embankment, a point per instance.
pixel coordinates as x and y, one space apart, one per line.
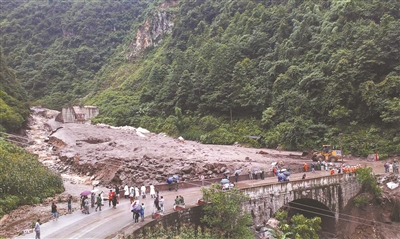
375 219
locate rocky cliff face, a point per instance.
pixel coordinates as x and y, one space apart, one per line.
151 33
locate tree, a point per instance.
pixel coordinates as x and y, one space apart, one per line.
299 226
368 181
225 213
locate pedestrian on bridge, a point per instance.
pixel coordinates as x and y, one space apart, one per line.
126 191
98 203
142 212
110 197
305 166
152 191
162 204
143 191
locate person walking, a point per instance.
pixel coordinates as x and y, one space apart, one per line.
131 194
54 211
161 204
142 212
69 202
37 229
313 167
143 191
98 203
152 191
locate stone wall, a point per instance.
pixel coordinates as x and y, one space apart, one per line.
176 220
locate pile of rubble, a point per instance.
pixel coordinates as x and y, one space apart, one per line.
391 180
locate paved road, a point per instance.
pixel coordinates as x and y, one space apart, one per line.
108 222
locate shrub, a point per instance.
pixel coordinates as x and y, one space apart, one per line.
361 201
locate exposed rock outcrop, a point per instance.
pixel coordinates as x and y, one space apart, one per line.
151 33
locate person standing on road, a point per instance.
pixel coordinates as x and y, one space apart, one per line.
313 167
98 203
156 205
142 212
152 191
114 200
126 191
110 197
69 204
92 199
37 229
54 211
136 193
143 191
117 193
87 205
161 205
131 194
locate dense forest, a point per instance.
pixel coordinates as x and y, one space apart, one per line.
298 73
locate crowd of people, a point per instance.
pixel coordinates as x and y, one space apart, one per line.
391 167
333 168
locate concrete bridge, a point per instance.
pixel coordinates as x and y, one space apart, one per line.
323 196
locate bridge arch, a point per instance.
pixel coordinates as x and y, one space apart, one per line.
311 208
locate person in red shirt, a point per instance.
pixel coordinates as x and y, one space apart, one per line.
332 171
110 197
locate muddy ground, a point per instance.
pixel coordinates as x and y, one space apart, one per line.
90 154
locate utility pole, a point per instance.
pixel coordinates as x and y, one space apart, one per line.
341 148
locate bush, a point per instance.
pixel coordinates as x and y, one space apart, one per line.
361 201
368 181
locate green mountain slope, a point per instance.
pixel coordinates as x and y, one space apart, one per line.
14 109
298 73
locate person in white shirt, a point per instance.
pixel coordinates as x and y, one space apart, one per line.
136 193
152 191
126 191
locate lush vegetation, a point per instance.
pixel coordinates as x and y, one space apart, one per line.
14 109
298 73
23 179
368 182
297 227
225 212
182 233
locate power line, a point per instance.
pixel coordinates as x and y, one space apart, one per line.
342 219
321 209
